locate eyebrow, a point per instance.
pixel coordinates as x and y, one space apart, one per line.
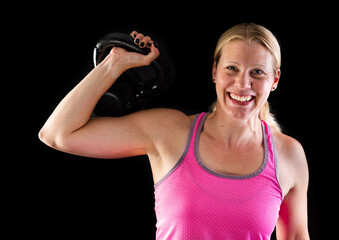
259 65
233 63
256 65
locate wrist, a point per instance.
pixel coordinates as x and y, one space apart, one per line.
114 66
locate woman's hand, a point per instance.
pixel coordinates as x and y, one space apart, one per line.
127 60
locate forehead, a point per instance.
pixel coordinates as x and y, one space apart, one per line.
245 53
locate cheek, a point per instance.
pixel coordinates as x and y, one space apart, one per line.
222 81
262 88
221 88
259 88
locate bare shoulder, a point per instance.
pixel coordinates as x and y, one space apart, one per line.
291 158
163 124
164 118
289 147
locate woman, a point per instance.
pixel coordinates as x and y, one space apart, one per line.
216 174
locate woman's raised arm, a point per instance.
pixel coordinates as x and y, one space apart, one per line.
70 128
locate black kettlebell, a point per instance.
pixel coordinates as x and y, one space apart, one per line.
131 90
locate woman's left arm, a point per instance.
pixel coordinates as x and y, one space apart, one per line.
292 223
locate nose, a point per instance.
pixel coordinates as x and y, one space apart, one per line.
243 81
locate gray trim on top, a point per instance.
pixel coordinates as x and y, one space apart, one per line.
189 139
223 175
275 161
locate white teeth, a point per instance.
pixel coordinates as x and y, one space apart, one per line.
241 98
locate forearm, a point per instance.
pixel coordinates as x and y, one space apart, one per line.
75 109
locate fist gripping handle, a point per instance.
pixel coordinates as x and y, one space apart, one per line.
131 90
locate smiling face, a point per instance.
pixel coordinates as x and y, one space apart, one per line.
244 77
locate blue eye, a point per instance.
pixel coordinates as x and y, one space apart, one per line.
257 71
232 68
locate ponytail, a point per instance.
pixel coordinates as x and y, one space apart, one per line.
268 117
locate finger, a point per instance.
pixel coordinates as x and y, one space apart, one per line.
155 44
152 55
143 42
138 38
134 34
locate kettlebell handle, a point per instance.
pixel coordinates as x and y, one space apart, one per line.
140 83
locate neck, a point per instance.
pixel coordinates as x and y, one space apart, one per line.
235 132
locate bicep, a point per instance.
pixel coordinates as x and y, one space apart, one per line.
110 137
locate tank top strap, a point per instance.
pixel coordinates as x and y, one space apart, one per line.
270 145
189 148
272 165
198 124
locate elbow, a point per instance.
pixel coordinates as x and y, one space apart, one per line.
55 140
48 138
43 136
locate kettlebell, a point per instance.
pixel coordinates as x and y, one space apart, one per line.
132 89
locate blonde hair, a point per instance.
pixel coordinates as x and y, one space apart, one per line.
255 34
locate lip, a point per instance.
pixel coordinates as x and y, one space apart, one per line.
238 102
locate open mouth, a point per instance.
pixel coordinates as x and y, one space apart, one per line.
241 99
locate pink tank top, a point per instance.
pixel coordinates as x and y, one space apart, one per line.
194 202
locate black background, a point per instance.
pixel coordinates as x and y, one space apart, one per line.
49 51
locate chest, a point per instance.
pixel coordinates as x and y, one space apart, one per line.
193 201
230 160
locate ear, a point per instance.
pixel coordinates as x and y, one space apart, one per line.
276 79
214 71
